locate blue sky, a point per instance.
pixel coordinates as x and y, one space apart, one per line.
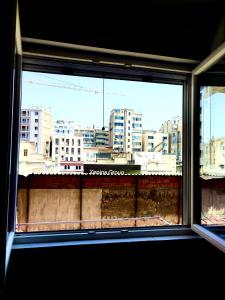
82 99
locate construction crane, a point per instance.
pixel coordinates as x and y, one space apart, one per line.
71 86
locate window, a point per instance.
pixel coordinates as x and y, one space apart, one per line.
35 135
173 145
35 128
104 153
36 120
207 156
25 152
36 113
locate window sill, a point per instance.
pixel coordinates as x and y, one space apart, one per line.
98 237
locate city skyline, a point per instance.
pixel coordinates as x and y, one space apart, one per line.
159 102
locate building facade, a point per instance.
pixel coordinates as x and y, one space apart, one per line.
102 137
153 141
67 147
125 130
212 159
36 125
174 129
64 127
30 162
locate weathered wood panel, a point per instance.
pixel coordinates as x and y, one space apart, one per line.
54 205
22 209
91 208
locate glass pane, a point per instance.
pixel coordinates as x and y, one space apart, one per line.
119 141
212 159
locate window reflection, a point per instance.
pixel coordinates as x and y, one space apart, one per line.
212 154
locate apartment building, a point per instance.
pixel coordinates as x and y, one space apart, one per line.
102 137
125 130
64 127
67 147
36 126
88 134
213 157
173 128
153 141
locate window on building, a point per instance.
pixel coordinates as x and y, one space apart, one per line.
35 128
25 152
36 120
36 113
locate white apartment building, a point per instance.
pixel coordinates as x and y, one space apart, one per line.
36 125
153 141
125 130
64 127
88 134
67 147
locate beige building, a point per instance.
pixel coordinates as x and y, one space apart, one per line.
96 154
155 162
212 159
153 141
36 125
30 162
173 128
